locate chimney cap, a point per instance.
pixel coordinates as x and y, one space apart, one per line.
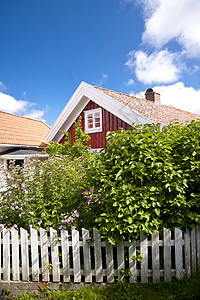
149 90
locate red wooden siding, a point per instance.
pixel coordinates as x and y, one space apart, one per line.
109 123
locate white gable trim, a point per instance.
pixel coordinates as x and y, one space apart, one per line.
80 99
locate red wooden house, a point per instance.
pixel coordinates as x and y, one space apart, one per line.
104 110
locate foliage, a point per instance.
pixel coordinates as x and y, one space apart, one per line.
43 194
148 178
48 193
73 149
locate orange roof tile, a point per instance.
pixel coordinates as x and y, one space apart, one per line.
156 112
19 130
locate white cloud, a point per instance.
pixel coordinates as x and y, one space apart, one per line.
35 114
100 82
11 105
130 81
195 69
167 20
2 86
177 95
158 67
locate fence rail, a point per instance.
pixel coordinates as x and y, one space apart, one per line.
44 256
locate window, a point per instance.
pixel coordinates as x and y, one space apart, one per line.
93 120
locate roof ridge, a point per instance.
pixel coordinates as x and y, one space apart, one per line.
28 118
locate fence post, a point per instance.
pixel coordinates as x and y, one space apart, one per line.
24 254
187 253
15 254
44 254
109 262
76 255
120 259
178 253
54 255
193 250
167 254
144 253
97 255
198 245
34 255
6 255
132 262
1 233
155 257
86 255
65 255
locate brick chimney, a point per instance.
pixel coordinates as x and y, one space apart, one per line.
152 96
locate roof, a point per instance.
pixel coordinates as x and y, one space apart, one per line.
156 112
127 108
22 153
17 130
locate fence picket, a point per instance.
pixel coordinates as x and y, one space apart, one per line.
155 257
44 254
193 250
34 255
1 239
76 256
109 263
15 255
24 254
133 262
86 255
6 254
187 253
144 253
65 255
54 255
167 254
120 259
198 245
178 253
97 255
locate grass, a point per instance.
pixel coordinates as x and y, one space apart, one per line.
178 289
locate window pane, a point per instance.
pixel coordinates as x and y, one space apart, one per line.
97 124
97 119
90 120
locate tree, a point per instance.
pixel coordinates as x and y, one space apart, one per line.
74 149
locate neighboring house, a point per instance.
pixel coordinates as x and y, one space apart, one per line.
20 138
104 110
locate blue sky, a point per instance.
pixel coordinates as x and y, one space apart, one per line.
49 46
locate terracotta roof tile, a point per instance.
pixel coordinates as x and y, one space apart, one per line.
156 112
19 130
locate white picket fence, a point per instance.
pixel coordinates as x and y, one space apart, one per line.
49 257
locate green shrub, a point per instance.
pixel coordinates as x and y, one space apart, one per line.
148 179
44 194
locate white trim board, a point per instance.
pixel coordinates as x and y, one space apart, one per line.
81 97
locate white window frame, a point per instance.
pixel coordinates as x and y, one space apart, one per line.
93 111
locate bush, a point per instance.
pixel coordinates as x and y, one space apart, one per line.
44 194
48 194
148 179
